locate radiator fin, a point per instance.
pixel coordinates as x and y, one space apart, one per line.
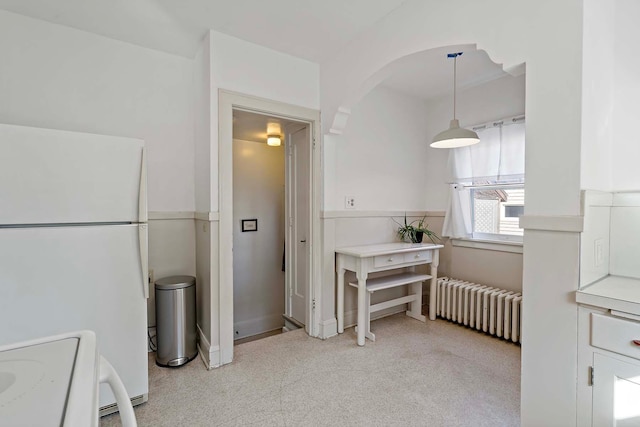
495 311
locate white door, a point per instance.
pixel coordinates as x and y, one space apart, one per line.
62 279
616 392
299 214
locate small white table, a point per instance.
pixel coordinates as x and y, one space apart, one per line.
366 259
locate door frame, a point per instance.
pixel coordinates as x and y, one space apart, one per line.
227 102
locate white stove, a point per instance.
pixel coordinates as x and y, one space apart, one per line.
54 381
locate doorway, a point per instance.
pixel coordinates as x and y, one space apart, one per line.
223 300
271 220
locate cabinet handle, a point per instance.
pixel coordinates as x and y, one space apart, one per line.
636 342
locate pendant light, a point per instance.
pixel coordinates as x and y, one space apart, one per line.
455 136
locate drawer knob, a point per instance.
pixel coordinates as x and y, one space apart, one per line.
636 342
418 256
390 260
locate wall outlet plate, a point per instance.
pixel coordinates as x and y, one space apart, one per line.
598 252
350 202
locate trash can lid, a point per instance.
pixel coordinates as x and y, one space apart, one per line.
175 282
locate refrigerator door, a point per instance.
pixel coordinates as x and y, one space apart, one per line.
52 176
59 279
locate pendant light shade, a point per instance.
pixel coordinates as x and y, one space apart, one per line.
455 136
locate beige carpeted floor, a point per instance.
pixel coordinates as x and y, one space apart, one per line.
415 374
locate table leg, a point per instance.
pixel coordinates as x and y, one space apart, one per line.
433 284
340 300
362 311
415 306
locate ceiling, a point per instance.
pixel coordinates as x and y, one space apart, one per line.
310 29
249 126
429 74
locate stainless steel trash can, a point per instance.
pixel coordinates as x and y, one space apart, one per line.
176 320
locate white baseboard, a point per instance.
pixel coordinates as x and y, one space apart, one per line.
328 328
210 355
257 325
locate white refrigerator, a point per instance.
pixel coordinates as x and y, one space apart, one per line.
73 244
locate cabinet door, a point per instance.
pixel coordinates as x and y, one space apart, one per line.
616 392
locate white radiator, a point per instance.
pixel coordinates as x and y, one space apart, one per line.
491 310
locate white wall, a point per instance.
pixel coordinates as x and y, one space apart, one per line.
380 159
610 91
250 69
626 144
258 279
599 59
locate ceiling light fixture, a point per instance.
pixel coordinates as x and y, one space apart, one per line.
455 136
274 140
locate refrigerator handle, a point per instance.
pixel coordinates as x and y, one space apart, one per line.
144 258
142 189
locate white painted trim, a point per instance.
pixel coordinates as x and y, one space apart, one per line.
209 355
377 214
490 245
340 120
631 199
594 198
328 328
568 223
227 101
207 216
161 215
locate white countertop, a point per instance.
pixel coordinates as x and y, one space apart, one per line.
614 293
366 251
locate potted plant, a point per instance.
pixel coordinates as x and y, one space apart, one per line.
415 230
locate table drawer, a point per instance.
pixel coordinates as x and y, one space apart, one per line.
617 335
385 260
422 256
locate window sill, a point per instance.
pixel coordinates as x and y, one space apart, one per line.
490 245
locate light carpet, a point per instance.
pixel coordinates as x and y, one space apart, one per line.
415 374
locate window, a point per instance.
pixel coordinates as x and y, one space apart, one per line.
496 212
487 184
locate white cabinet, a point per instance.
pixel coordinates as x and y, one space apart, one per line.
616 392
608 368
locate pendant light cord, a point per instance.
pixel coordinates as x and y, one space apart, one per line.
455 73
455 62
